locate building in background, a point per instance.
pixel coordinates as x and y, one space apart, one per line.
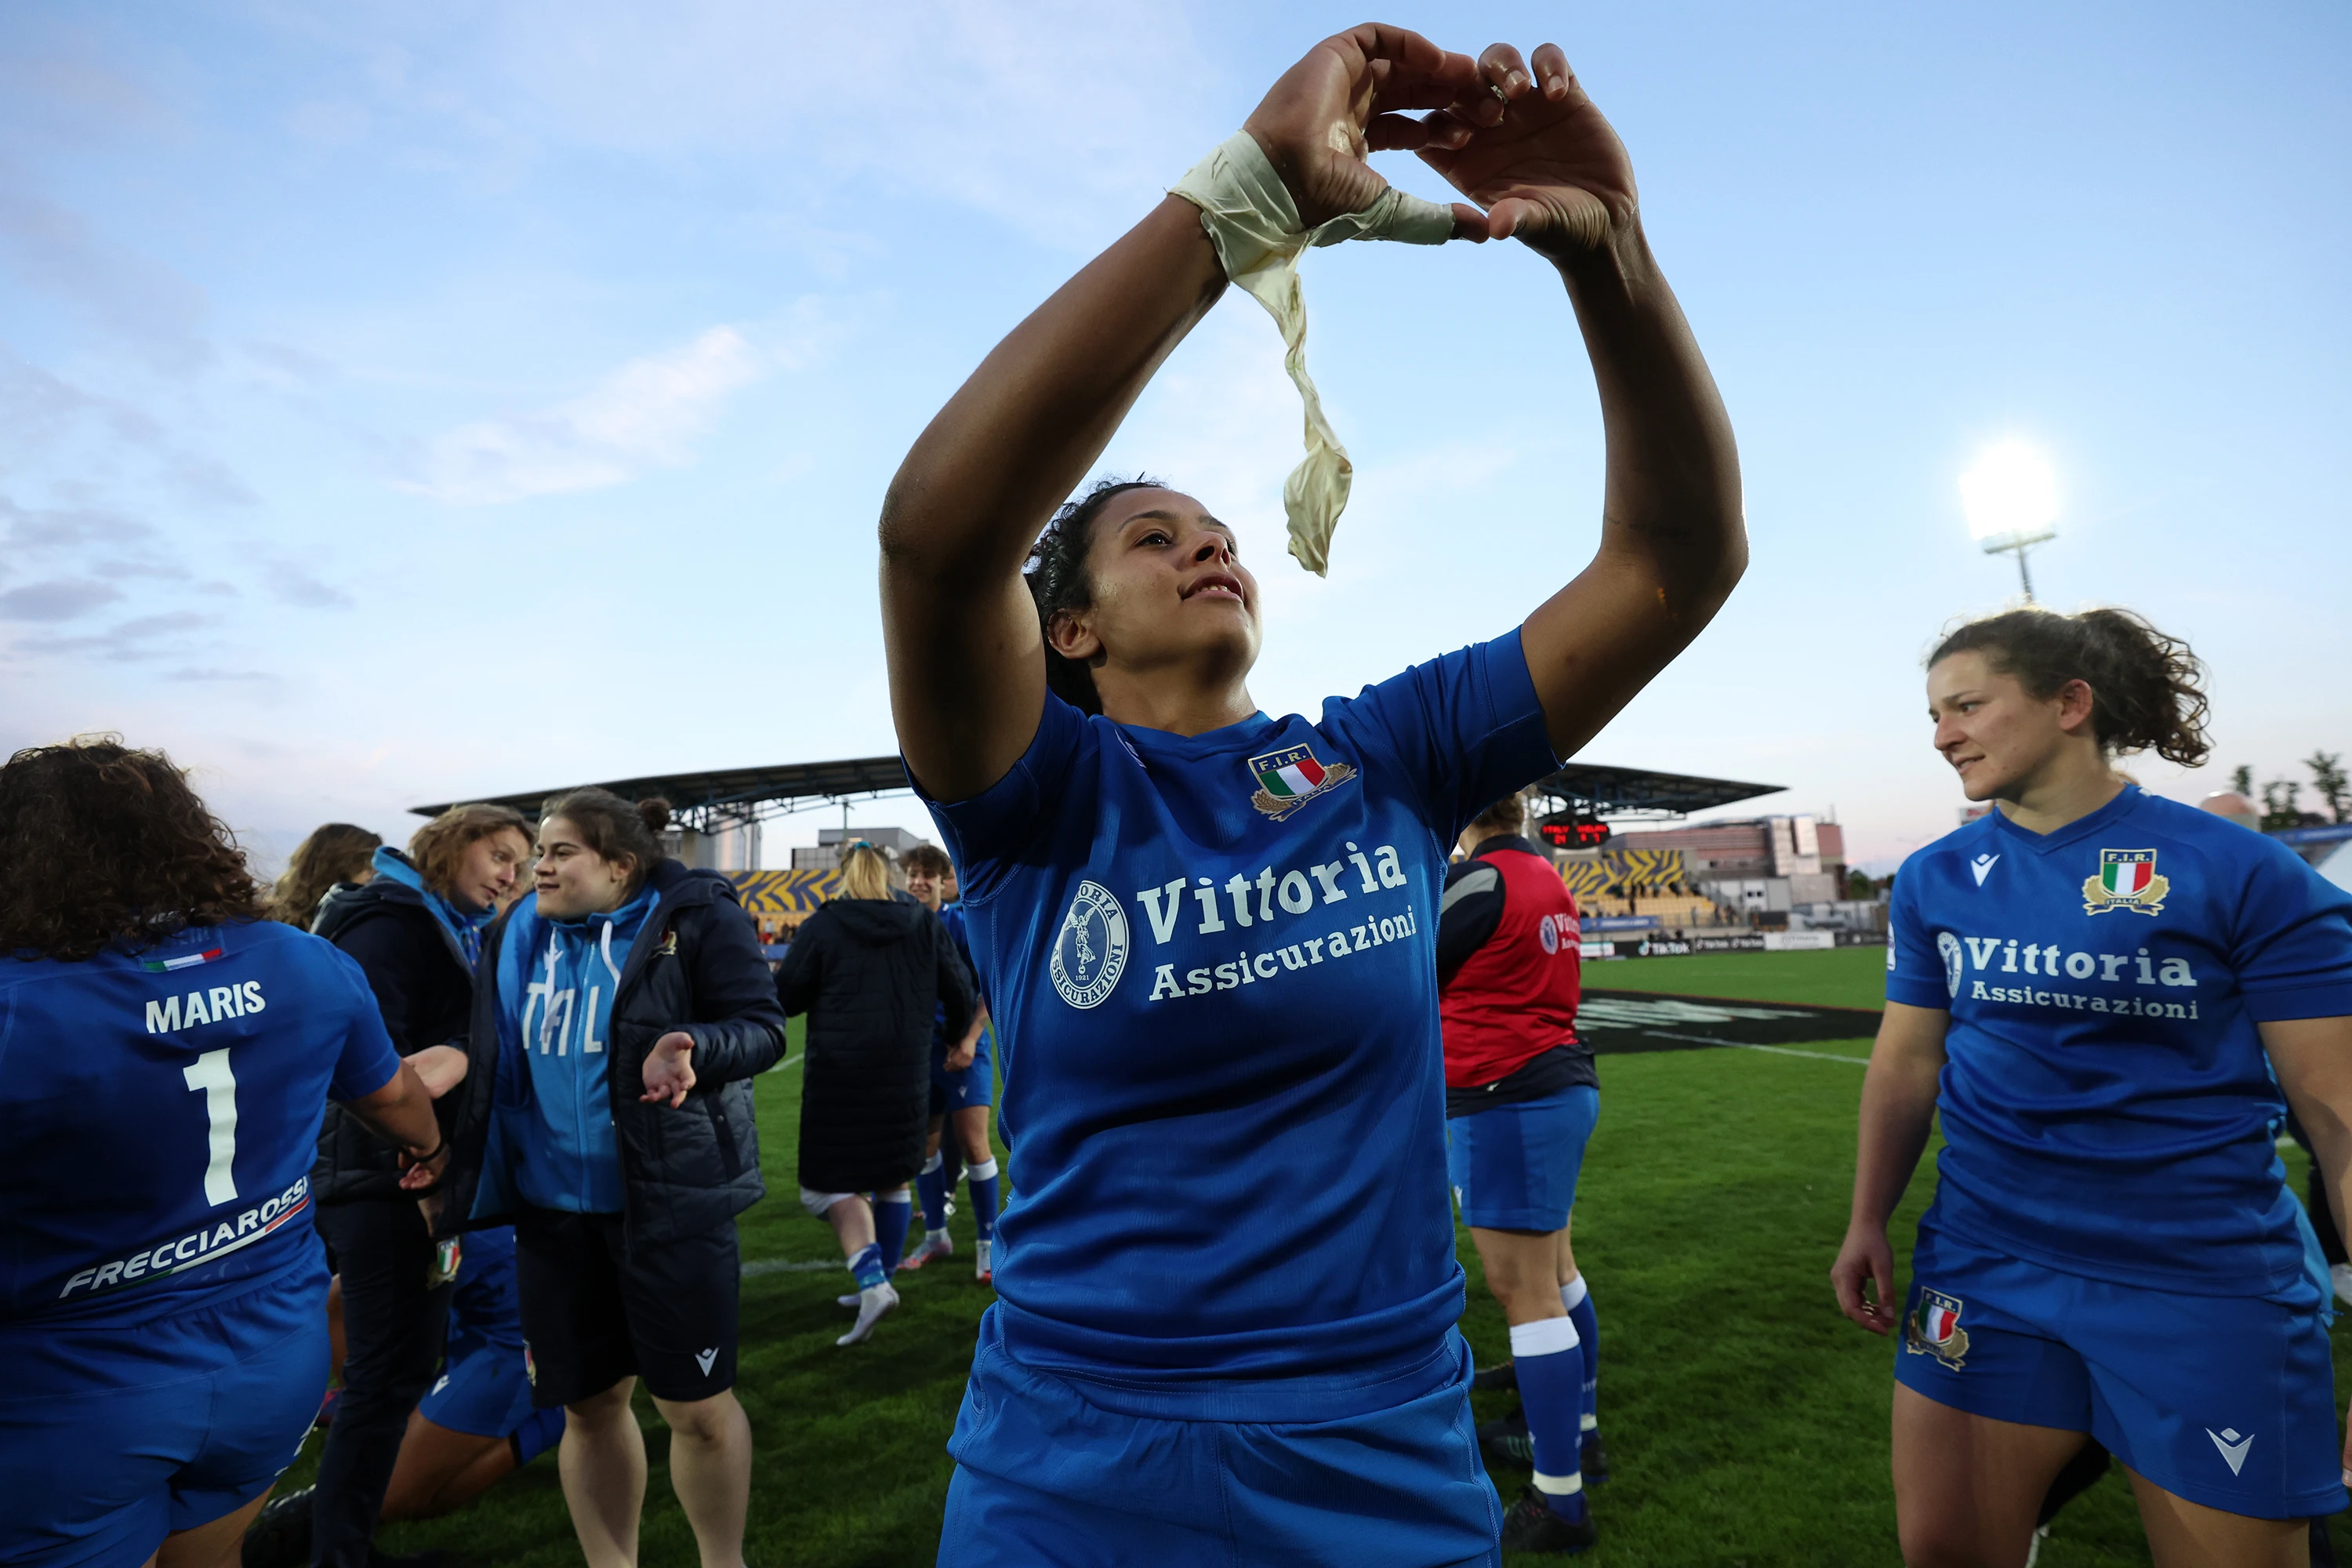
1762 865
824 854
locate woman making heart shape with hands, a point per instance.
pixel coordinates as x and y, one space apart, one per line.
1227 1286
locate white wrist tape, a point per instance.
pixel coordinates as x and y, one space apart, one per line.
1255 226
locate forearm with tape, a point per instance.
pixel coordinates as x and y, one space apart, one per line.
1255 226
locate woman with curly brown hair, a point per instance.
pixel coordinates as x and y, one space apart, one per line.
170 1052
2104 996
336 856
414 928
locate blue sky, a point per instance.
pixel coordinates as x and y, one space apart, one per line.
404 402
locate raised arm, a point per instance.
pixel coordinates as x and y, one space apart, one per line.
1673 543
967 664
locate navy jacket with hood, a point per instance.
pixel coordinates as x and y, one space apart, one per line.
696 965
424 985
872 975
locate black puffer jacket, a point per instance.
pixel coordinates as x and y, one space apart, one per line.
425 987
872 976
695 966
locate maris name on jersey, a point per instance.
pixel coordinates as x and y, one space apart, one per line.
210 1005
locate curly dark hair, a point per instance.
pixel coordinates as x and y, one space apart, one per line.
1057 581
101 845
2146 688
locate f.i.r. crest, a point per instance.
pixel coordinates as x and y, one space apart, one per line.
2127 880
1289 778
1934 1329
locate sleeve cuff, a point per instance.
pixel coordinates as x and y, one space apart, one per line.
1919 994
2311 1002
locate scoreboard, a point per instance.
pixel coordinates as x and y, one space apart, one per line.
1573 830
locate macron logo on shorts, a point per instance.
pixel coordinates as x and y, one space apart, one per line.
2233 1447
704 1358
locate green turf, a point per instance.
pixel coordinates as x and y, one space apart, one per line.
1746 1420
1834 977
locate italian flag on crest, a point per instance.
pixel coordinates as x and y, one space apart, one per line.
2127 880
1289 778
1296 775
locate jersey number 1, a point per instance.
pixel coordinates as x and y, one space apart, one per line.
210 1073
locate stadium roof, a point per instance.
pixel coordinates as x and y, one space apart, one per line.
729 795
705 799
1638 792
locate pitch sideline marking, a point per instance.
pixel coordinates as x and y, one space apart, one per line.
777 1265
1776 1050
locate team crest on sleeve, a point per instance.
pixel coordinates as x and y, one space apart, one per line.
1934 1329
2127 880
1090 948
1289 778
1947 948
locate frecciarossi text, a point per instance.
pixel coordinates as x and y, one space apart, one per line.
210 1240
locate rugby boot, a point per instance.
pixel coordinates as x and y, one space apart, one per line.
1503 1374
934 1245
280 1535
1593 1460
1506 1441
1533 1525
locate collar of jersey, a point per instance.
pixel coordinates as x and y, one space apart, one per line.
1239 737
2107 816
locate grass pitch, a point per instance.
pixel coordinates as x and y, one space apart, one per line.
1746 1420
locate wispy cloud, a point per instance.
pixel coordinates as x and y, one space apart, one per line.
60 599
144 303
645 415
141 637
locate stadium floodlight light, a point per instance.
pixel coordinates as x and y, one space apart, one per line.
2011 496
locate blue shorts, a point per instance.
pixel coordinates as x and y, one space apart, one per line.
1050 1476
485 1383
1514 1166
975 1085
112 1439
2227 1401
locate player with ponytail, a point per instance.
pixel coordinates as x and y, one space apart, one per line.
2108 999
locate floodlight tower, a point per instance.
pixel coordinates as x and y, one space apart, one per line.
2011 500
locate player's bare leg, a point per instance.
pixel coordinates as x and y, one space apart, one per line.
603 1461
216 1545
440 1470
1967 1489
2184 1534
710 1470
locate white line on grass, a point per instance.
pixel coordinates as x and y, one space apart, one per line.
777 1265
786 1062
1776 1050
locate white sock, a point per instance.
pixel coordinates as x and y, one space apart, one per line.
873 1302
1573 1294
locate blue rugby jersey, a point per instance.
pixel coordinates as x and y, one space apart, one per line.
1211 961
2106 1105
162 1113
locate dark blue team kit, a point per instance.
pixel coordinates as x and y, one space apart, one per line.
1227 1288
163 1294
2113 1248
